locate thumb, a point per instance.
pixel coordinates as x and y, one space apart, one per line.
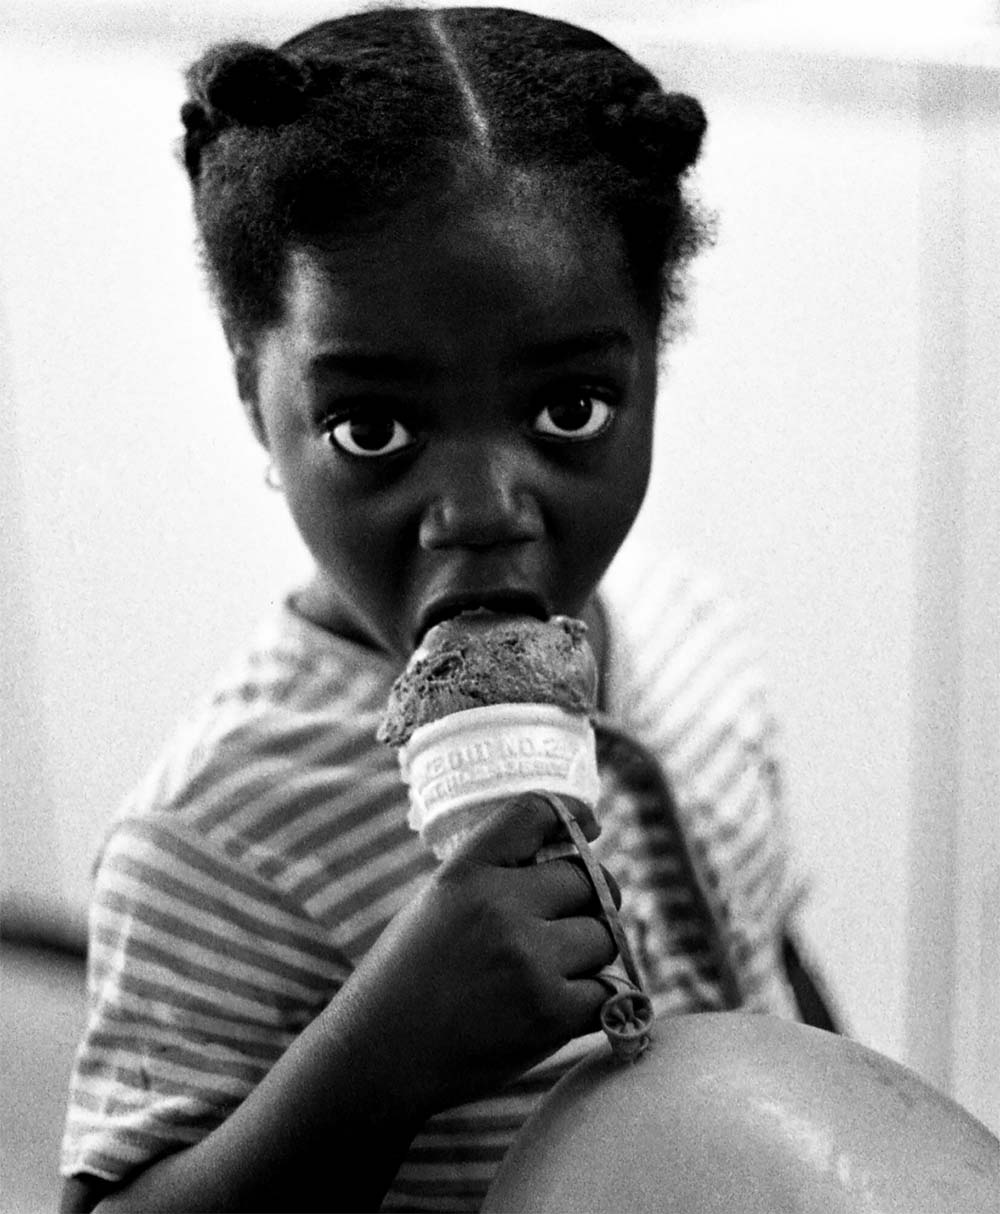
514 832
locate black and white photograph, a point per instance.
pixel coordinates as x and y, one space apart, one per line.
500 607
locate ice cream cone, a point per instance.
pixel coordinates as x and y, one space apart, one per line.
460 767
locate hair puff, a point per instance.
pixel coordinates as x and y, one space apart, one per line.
239 84
656 128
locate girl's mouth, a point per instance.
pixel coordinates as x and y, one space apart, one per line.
503 602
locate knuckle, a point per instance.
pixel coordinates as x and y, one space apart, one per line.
531 806
574 872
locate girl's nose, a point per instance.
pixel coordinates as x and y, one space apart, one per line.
480 499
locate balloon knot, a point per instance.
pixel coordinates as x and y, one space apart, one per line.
627 1020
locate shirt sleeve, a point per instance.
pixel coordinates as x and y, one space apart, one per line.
200 975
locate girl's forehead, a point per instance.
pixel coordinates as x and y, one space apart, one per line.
462 226
478 262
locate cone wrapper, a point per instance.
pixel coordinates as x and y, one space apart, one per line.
460 767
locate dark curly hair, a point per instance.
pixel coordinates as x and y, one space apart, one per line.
358 116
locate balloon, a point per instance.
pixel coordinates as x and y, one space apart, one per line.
747 1114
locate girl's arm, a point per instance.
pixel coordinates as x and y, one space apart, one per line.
326 1129
487 972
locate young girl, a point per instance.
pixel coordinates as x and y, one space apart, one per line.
446 245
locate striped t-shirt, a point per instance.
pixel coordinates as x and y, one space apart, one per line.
267 849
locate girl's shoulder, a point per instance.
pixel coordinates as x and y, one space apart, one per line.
275 789
293 703
295 663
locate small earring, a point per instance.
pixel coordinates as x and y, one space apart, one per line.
272 478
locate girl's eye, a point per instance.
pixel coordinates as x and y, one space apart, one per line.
578 416
369 435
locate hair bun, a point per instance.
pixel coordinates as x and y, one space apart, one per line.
665 128
238 84
241 83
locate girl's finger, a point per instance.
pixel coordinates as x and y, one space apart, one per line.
584 997
583 945
564 889
513 834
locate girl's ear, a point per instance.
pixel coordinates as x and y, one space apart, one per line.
245 371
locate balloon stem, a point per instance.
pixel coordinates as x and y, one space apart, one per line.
627 1016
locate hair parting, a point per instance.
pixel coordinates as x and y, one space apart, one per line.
346 123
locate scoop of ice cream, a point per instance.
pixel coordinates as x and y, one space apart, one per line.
481 658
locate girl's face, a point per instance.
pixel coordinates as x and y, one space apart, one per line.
460 409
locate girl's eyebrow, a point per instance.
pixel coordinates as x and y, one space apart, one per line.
369 366
405 368
594 341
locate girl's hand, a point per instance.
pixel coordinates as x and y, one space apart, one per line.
491 968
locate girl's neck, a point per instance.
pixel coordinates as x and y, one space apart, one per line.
316 603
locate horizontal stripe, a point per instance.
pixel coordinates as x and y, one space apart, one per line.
379 820
393 857
229 1079
209 881
137 998
362 929
722 709
140 1131
458 1200
464 1176
424 1157
245 959
90 1102
482 1126
188 986
119 1035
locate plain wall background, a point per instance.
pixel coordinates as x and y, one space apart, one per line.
828 443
